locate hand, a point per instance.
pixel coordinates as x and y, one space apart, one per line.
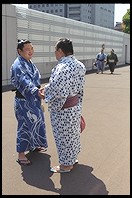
41 89
41 93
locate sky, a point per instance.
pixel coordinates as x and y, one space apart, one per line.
120 10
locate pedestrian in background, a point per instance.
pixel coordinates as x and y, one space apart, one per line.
25 77
64 95
112 60
100 60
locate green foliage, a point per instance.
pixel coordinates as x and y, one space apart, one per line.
126 22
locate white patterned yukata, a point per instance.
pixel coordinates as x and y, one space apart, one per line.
67 79
31 133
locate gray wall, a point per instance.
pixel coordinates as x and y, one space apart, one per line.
44 30
8 41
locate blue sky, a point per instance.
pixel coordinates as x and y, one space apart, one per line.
120 10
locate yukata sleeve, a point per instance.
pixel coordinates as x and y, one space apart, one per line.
81 93
116 59
81 82
107 59
97 57
58 86
23 83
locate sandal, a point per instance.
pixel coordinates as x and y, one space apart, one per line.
24 162
58 169
76 162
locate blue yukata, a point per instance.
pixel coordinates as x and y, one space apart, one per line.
100 57
31 133
67 79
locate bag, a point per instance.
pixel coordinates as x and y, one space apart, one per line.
82 124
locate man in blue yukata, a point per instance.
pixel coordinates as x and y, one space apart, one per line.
25 77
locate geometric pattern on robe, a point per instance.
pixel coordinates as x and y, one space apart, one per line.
67 79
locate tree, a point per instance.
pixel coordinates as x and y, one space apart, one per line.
126 22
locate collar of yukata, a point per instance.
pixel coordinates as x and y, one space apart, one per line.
23 59
65 57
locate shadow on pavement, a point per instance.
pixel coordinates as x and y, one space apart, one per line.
38 174
80 181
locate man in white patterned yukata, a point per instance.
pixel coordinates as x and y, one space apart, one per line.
64 95
25 77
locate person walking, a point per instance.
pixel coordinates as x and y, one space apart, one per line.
64 95
100 60
112 60
25 78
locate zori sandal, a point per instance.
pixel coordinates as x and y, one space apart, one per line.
58 169
76 162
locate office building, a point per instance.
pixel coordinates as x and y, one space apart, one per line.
96 14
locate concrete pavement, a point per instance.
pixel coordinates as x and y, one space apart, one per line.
104 162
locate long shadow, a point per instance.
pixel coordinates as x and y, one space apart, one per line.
38 174
80 181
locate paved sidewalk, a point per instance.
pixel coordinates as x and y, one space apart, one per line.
104 162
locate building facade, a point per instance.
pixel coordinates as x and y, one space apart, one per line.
96 14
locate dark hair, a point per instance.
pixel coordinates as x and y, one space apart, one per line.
21 43
65 45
